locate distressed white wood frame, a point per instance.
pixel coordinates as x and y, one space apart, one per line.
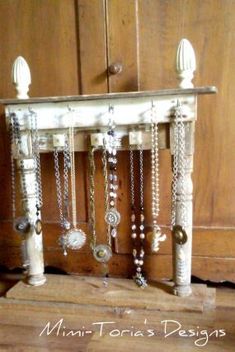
90 114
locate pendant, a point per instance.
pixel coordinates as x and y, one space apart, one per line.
112 217
140 280
38 226
154 238
22 225
74 239
180 234
102 253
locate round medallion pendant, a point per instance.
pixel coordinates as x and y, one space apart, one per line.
38 226
22 225
112 217
180 234
75 239
102 253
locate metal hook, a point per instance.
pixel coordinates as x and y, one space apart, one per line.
31 111
111 109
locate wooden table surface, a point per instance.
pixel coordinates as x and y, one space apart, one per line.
22 321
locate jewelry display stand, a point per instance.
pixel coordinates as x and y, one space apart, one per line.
90 116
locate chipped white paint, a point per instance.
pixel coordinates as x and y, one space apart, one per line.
32 246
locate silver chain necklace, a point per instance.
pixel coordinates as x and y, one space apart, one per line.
156 235
179 162
138 256
37 170
63 200
21 224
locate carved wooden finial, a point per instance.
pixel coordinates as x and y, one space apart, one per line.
21 77
185 63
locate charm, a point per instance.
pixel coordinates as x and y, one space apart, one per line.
154 238
140 280
112 217
180 234
74 239
102 253
63 242
38 226
22 225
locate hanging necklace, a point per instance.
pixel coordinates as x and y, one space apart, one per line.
101 252
112 216
37 170
178 175
63 201
156 236
74 238
21 224
137 255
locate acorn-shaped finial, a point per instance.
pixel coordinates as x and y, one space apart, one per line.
185 63
21 77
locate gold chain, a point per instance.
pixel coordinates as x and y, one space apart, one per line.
92 196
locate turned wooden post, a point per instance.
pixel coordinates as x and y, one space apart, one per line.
182 253
32 246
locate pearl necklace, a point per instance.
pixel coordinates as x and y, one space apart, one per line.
156 235
138 256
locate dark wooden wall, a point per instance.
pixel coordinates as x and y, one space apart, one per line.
69 45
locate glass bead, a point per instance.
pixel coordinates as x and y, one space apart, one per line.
141 227
136 261
134 252
133 217
133 235
141 253
142 236
114 233
138 269
141 217
133 227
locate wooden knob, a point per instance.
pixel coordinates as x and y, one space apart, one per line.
115 68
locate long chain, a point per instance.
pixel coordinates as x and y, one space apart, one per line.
132 179
13 179
155 172
73 178
62 201
58 186
179 167
36 157
92 196
67 166
18 144
106 192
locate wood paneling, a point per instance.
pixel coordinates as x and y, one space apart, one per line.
122 42
44 33
92 39
69 46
